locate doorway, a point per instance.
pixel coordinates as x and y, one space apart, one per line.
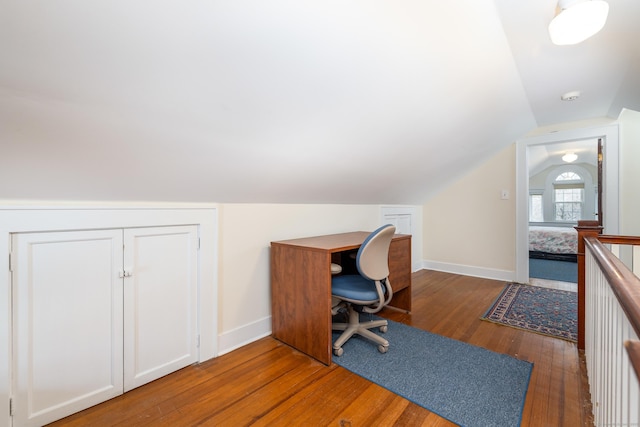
563 189
529 160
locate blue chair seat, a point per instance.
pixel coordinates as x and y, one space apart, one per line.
354 287
358 292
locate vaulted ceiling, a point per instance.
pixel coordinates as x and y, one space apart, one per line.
316 101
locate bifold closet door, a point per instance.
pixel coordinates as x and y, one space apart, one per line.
67 323
160 302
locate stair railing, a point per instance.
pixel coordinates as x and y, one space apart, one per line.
609 323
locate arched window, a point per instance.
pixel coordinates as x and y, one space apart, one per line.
568 196
568 176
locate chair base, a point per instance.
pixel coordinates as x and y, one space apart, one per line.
356 327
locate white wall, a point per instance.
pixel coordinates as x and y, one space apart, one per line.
629 172
468 228
246 231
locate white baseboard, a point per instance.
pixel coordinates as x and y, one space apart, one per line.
468 270
236 338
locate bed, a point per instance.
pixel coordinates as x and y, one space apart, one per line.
557 243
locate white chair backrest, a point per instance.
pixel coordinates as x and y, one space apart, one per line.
373 256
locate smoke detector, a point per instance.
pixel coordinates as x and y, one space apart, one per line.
571 96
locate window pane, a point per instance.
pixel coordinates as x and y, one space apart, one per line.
568 204
568 211
535 208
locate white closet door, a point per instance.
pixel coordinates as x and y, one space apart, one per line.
67 314
402 222
160 307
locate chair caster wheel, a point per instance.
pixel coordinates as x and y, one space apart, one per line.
383 329
383 349
338 351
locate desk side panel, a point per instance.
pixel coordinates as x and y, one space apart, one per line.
400 272
301 299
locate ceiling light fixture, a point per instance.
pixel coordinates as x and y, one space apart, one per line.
571 96
577 20
570 157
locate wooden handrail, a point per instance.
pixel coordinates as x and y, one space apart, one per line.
633 349
609 275
589 229
619 240
624 284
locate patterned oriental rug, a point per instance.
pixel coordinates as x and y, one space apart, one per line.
533 308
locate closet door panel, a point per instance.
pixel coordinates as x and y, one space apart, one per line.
160 302
67 332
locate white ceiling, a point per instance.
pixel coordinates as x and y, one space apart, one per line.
604 68
543 156
287 101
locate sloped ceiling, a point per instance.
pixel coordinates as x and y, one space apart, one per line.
285 101
605 69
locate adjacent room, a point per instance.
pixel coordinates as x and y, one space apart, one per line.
564 183
191 193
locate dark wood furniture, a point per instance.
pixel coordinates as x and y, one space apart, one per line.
301 286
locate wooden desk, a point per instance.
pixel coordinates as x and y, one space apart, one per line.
301 286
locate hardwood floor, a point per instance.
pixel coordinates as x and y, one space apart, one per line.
269 383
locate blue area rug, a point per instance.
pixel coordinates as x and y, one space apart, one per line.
533 308
465 384
563 271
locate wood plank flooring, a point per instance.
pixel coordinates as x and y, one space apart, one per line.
269 383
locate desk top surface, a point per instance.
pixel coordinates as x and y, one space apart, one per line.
334 242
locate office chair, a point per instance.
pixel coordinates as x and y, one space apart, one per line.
367 292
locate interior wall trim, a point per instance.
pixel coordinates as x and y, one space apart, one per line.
246 334
470 270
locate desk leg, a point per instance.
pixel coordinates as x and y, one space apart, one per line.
301 299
